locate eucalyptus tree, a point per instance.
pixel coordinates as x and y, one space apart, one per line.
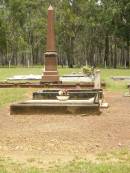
123 26
92 31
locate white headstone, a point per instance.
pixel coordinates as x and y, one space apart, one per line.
97 82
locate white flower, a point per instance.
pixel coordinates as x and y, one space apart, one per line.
61 93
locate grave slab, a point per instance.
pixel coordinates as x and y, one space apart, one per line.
53 106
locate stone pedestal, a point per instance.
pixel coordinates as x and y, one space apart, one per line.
50 73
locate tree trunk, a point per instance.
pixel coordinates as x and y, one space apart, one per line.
127 58
70 54
115 54
106 58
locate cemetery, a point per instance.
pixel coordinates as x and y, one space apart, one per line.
58 119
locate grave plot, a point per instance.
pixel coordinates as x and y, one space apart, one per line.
66 101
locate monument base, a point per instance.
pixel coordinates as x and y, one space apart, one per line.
33 107
50 76
50 73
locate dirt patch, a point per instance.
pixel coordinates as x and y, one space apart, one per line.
43 139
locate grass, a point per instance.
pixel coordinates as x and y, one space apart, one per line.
121 155
89 167
75 166
11 95
112 85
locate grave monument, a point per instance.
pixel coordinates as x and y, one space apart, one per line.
47 101
50 73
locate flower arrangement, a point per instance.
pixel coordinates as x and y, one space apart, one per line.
88 70
63 95
63 92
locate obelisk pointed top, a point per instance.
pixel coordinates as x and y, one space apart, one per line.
50 7
50 30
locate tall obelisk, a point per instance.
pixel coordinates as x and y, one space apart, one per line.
50 73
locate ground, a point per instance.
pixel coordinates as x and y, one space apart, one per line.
43 139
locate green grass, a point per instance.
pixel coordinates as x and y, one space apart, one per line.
89 167
117 161
121 155
112 85
81 166
11 95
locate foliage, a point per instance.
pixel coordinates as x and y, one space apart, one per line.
88 70
96 31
